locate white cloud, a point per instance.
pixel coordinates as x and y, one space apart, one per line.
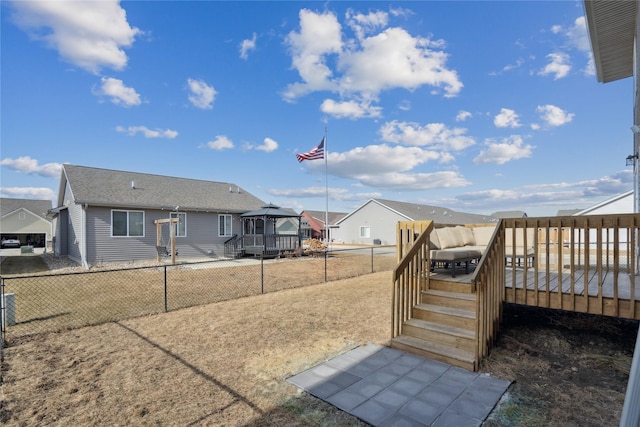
548 198
89 34
559 66
148 133
118 92
30 166
436 136
350 109
509 149
389 167
463 115
506 119
268 145
247 45
554 116
578 35
362 24
367 64
320 35
202 95
39 193
220 143
590 68
415 181
341 194
608 185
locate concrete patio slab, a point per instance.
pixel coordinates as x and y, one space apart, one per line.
386 387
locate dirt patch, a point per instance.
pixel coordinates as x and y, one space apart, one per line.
569 369
227 363
23 264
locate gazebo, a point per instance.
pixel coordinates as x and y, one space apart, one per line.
260 235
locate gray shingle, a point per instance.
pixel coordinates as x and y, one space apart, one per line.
105 187
36 207
437 214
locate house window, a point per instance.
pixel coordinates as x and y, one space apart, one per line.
127 223
365 231
181 226
225 229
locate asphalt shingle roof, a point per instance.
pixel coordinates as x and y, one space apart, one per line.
105 187
36 207
438 215
320 216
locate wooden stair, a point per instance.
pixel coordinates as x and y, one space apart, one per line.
442 327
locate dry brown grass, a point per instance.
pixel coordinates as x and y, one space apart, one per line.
226 363
56 302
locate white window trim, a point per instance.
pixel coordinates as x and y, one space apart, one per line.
177 215
128 236
367 234
221 220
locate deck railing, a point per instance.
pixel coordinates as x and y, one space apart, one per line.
582 263
270 244
411 275
487 281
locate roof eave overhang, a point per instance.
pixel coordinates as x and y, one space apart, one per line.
611 26
94 203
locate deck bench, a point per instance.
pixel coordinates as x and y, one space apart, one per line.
456 245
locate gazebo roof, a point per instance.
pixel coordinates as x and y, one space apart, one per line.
271 211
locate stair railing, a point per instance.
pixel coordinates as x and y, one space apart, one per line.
487 281
411 275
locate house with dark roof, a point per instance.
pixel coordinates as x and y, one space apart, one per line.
375 221
26 220
107 215
313 223
509 214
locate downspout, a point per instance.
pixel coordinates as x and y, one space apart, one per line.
83 233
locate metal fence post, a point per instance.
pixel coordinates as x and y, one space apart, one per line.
326 255
2 329
372 259
166 300
262 274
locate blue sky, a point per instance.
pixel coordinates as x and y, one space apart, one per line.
474 106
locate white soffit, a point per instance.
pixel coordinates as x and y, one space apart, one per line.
611 25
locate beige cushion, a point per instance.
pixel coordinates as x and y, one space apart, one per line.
466 234
449 238
434 243
483 234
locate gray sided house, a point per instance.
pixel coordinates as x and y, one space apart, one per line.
106 215
26 220
375 221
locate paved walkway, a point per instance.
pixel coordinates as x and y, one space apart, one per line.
387 387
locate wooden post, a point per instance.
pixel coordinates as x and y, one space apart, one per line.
172 228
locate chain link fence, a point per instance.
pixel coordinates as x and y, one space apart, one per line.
53 302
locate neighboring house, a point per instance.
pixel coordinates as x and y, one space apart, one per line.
509 214
26 220
375 221
289 225
567 212
619 204
106 215
313 223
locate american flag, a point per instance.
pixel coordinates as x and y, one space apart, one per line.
315 154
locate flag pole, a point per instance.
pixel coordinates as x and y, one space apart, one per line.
326 184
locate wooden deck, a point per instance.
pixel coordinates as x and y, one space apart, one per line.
608 300
594 271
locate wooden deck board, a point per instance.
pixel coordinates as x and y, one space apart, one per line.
624 283
600 300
